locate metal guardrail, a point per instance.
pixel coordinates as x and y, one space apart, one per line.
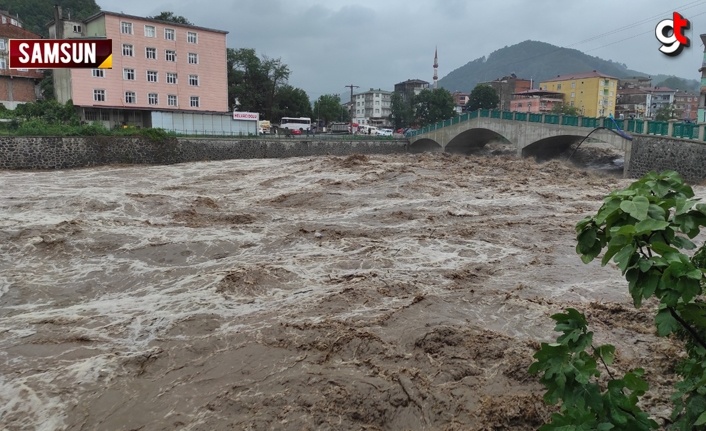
658 128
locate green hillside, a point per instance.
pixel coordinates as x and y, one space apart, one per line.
540 61
35 14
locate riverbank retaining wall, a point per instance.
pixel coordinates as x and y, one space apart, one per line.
658 153
79 152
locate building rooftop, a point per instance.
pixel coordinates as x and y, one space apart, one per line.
583 75
174 24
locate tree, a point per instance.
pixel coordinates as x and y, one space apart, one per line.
433 105
402 111
483 97
561 108
46 85
668 112
170 17
328 108
34 14
291 102
254 82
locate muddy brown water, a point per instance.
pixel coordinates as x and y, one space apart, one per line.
366 292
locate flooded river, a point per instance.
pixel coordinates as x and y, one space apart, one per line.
379 292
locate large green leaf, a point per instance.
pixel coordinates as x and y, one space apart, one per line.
649 225
637 207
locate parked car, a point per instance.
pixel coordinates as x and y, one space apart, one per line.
296 132
384 132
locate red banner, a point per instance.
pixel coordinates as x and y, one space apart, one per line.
61 53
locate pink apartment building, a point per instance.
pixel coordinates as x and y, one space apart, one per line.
157 67
535 101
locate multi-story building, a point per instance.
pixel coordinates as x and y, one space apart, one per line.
16 85
662 98
536 101
372 107
410 88
687 105
157 67
635 82
506 86
593 93
632 102
460 100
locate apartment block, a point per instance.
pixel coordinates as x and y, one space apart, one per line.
16 85
372 107
410 88
687 105
506 87
536 101
157 67
593 93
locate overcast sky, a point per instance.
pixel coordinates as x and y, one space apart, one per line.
329 44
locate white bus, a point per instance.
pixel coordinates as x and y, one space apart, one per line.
295 123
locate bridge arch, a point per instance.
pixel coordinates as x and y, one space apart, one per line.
550 147
425 146
473 139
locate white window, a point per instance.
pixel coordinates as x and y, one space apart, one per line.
150 31
151 76
152 98
172 100
99 95
127 50
194 80
193 58
192 37
98 73
573 94
171 78
77 29
3 63
129 74
194 101
129 97
125 27
151 53
169 34
170 55
3 47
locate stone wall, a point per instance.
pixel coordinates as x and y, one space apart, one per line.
657 153
78 152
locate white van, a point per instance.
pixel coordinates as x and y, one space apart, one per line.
367 130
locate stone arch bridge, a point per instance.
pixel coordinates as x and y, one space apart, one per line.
533 135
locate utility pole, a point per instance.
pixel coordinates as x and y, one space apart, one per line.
351 86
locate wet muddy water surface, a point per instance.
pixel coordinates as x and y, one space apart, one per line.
361 292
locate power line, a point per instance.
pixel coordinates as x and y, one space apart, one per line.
639 23
633 36
611 32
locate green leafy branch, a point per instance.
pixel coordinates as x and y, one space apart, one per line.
644 230
570 373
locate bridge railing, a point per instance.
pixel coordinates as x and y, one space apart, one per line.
639 126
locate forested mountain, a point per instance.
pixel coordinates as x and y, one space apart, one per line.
35 14
540 61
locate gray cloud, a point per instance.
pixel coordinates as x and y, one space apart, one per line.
376 43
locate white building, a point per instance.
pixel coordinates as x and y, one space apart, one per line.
372 108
